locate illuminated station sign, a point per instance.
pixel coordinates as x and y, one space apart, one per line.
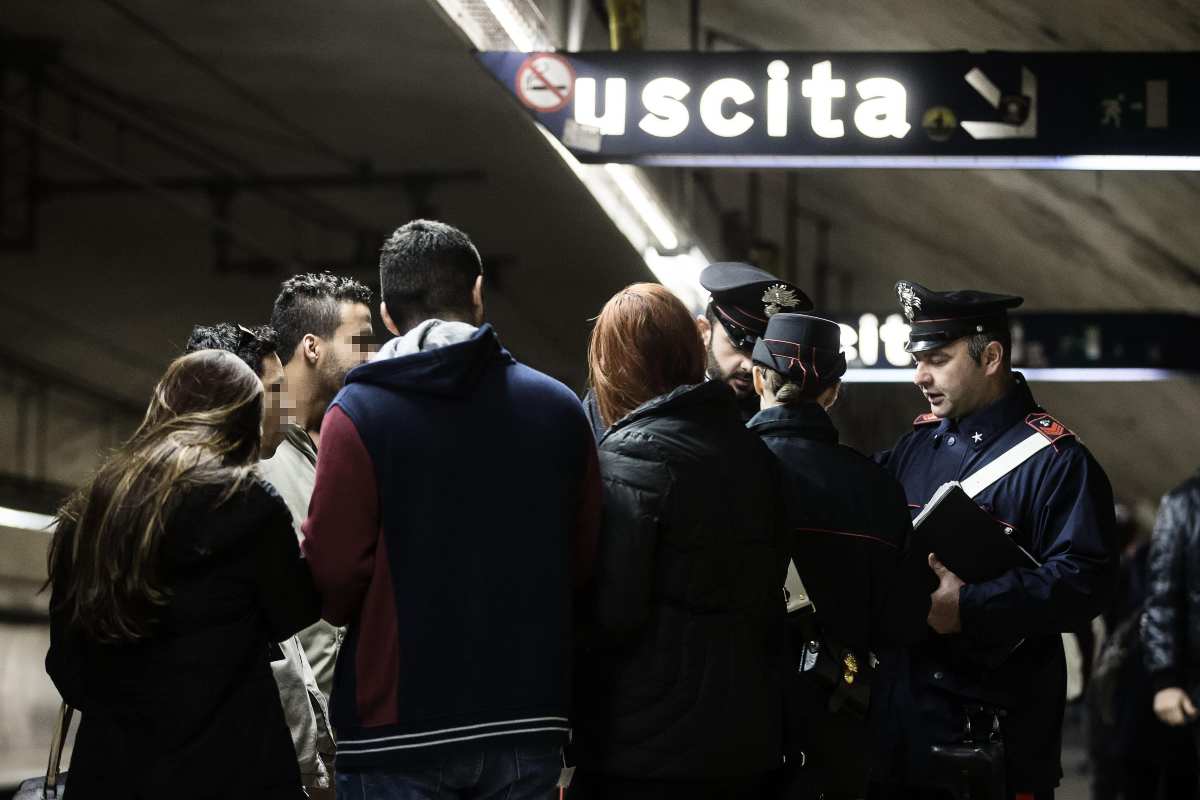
951 109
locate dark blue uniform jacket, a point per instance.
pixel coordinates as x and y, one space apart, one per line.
1059 504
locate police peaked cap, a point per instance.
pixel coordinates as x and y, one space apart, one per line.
744 297
938 318
806 349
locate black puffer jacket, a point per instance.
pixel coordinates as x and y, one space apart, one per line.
1171 624
680 677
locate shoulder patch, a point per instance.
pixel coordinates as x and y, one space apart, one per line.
926 419
1048 426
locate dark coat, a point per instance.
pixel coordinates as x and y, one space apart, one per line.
193 710
1009 655
848 524
1171 624
681 676
1134 733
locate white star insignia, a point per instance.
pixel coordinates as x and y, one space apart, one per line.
978 437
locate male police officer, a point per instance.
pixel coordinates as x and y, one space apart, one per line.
743 298
992 672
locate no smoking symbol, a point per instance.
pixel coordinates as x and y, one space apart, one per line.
545 82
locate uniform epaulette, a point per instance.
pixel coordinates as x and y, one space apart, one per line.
1048 426
926 419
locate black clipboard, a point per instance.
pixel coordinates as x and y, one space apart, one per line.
972 544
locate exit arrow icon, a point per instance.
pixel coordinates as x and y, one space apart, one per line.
1013 106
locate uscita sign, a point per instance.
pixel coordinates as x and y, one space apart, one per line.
881 110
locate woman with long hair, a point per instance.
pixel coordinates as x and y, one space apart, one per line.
174 570
679 678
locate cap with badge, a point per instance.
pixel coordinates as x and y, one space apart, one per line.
938 318
745 297
806 349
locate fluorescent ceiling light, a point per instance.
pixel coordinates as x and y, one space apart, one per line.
1086 163
631 186
25 520
680 273
1049 375
600 184
623 193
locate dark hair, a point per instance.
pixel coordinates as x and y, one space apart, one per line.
251 345
645 344
309 303
978 342
428 269
201 429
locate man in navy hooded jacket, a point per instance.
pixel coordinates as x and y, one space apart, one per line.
456 502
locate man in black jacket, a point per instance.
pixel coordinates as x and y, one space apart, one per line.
847 524
1171 624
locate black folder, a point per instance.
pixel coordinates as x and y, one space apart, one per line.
974 545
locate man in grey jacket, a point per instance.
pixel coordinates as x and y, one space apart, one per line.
323 323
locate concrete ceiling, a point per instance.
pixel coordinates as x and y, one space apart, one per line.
388 82
116 281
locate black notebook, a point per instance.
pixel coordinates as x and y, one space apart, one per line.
974 545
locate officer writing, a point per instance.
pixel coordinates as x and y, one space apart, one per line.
976 708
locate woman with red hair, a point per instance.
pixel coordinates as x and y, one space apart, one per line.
679 682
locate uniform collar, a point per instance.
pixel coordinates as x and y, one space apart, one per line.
981 426
806 421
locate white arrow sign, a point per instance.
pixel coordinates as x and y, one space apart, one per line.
1001 130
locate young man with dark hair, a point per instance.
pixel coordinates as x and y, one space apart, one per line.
985 693
325 330
456 497
257 347
324 320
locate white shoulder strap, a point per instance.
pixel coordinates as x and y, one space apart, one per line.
1017 455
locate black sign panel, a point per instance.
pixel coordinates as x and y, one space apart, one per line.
730 108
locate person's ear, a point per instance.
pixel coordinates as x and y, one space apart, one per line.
477 299
993 358
310 349
759 386
706 332
388 322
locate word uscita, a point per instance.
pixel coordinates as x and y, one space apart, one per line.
880 113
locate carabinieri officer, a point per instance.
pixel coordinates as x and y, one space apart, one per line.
992 670
743 298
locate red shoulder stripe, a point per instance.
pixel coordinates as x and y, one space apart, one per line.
1048 426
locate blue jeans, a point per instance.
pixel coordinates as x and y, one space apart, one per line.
516 772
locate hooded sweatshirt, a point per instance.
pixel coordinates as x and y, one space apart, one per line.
456 500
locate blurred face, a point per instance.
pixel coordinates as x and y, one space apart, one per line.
351 344
275 410
727 363
952 382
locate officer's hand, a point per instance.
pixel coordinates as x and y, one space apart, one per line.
943 603
1173 706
